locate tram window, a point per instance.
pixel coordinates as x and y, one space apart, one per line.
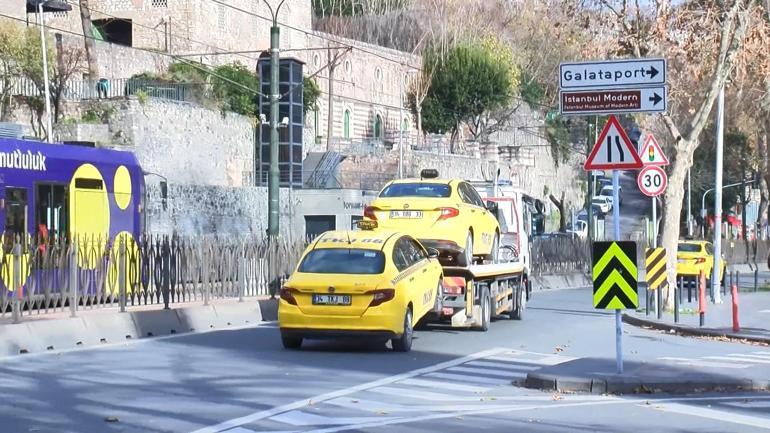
52 209
15 211
83 183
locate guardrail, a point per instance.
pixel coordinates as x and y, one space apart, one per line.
47 277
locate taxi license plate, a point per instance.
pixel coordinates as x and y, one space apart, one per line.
331 299
406 214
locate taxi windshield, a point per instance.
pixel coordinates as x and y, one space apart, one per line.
689 248
343 261
417 190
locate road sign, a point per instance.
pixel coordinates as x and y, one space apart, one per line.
652 181
651 153
612 73
613 150
655 265
614 275
613 101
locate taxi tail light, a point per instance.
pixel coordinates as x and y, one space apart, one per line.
369 212
380 296
700 260
448 212
287 294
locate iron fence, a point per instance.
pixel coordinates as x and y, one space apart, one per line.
76 90
560 255
92 272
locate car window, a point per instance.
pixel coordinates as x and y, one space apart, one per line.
343 261
709 248
689 248
417 189
416 252
463 192
474 195
400 257
607 191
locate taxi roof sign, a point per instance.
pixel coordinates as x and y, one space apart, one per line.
366 224
429 173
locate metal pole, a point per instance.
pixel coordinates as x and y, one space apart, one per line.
716 295
654 223
616 219
401 131
589 209
49 122
274 173
689 204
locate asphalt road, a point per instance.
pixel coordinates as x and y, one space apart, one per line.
242 381
633 210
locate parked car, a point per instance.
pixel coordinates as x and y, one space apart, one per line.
580 229
695 256
603 203
607 192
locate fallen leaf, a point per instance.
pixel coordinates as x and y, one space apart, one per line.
354 401
111 419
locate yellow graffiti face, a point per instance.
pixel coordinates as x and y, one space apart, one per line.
128 261
122 187
90 216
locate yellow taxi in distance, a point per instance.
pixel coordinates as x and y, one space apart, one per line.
359 283
692 257
446 214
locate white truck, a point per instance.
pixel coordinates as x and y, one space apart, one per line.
472 295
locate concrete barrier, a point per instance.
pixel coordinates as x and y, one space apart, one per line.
563 281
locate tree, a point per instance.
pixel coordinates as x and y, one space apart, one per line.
30 63
310 94
88 40
236 98
468 83
11 45
703 41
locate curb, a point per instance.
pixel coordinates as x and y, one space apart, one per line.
690 331
619 386
111 327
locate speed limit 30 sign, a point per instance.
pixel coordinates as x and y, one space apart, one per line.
652 181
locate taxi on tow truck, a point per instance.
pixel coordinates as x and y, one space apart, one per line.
696 256
360 283
446 214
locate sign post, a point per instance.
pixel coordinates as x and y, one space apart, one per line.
612 87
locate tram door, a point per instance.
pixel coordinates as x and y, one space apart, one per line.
51 211
16 208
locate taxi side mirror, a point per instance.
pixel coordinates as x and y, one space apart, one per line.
491 206
432 253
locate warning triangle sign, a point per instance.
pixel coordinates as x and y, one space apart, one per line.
651 153
613 150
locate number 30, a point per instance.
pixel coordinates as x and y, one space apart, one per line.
652 180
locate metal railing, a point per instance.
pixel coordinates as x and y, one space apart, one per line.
560 256
47 277
76 90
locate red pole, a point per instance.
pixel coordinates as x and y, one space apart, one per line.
736 325
702 298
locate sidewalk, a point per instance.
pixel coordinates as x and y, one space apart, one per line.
100 326
753 317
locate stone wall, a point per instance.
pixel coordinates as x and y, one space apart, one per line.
186 143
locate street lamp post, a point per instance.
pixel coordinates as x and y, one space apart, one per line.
273 183
401 126
49 121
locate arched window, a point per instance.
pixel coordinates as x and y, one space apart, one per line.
405 124
346 124
377 127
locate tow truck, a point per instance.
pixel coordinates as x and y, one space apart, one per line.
472 295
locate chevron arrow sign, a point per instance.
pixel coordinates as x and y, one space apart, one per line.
615 275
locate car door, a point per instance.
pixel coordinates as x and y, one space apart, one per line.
408 280
427 278
481 220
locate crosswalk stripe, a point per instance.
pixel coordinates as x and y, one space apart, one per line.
446 385
380 407
301 418
502 365
421 395
747 355
701 363
540 359
738 359
486 372
465 378
511 359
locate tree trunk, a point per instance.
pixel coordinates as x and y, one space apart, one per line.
763 188
88 41
330 111
420 137
560 206
673 210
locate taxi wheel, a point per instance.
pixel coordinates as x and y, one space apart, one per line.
494 254
466 257
404 343
291 342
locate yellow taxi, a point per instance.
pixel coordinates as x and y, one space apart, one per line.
446 214
374 284
695 256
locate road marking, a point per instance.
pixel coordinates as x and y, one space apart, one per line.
502 365
380 407
256 416
466 378
486 372
699 363
764 311
738 358
433 384
724 416
303 419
